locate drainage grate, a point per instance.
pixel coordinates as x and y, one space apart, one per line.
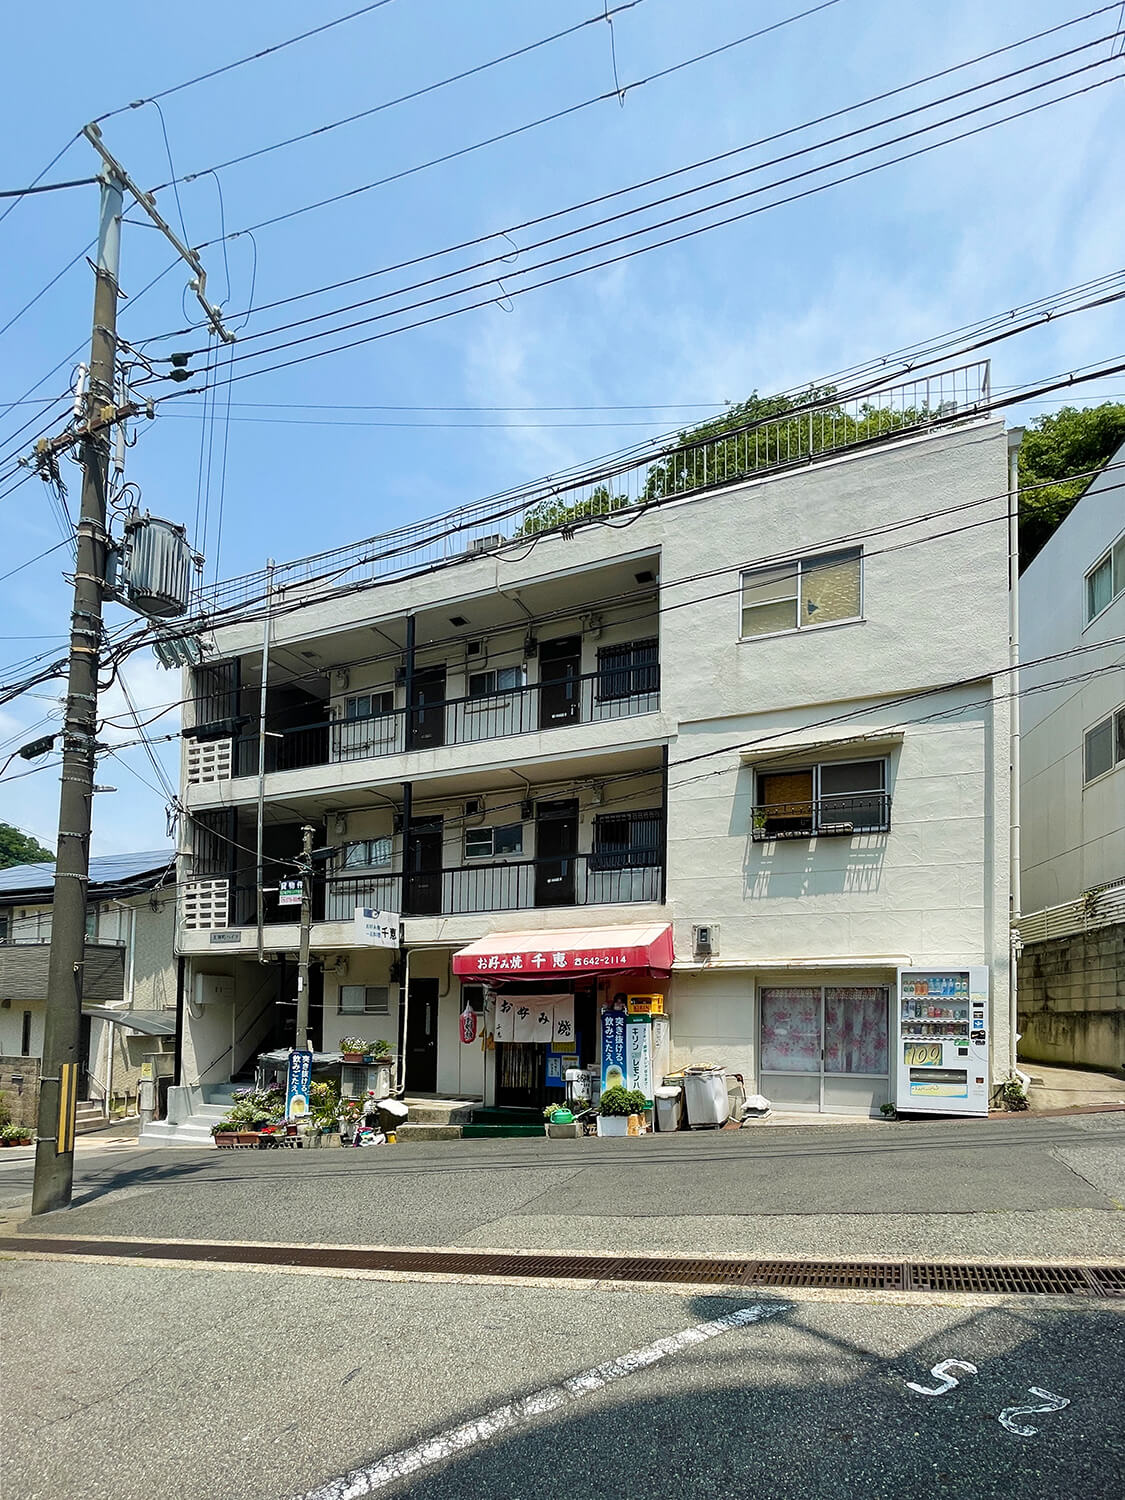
917 1276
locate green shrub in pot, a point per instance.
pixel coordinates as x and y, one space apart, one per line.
621 1101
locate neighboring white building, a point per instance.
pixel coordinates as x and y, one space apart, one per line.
1072 969
129 981
769 713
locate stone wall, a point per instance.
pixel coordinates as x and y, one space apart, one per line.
1072 999
22 1097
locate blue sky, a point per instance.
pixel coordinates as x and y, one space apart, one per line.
778 299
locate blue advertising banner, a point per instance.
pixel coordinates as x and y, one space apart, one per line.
297 1085
614 1060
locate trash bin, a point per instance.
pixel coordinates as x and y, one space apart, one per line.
669 1107
705 1096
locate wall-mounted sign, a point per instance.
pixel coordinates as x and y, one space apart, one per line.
378 929
225 937
289 893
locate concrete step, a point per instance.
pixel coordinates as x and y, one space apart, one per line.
192 1132
409 1132
436 1112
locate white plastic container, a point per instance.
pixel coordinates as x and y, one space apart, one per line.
669 1107
705 1096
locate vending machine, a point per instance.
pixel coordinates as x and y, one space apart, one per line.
941 1041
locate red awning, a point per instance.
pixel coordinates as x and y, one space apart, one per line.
567 950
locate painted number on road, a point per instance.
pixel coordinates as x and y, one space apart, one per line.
940 1372
1008 1415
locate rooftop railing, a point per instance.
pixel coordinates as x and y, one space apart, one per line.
721 454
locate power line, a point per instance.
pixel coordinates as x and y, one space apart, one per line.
658 244
242 61
42 292
11 573
419 93
47 187
56 158
666 176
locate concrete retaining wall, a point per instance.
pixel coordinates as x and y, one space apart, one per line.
1072 999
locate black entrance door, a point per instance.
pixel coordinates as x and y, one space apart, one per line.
426 721
560 685
556 845
421 1036
423 868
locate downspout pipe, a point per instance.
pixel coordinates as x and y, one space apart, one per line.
261 900
1015 437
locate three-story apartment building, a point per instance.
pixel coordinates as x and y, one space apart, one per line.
731 728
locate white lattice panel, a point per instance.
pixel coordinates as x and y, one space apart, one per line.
205 905
1097 908
209 760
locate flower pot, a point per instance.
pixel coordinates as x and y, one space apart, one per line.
565 1130
225 1138
613 1125
247 1138
353 1057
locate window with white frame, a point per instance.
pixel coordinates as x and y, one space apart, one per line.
1103 746
1105 580
835 797
363 1000
803 593
496 680
367 854
493 843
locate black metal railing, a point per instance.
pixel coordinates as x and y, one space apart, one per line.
512 885
615 692
830 817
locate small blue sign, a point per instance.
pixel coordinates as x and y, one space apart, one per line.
297 1083
556 1064
614 1062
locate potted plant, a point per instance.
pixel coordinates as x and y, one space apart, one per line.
353 1048
561 1124
15 1135
616 1106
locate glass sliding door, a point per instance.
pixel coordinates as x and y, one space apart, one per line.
824 1047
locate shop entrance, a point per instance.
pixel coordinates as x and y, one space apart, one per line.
824 1047
421 1036
556 845
528 1074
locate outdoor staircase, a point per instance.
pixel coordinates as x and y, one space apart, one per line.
453 1119
216 1102
89 1115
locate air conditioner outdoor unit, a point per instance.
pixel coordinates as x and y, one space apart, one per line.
485 543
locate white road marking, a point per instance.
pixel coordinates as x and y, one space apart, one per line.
941 1372
1006 1417
385 1471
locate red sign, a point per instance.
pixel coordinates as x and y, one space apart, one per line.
468 1025
578 951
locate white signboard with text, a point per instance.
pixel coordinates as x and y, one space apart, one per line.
378 929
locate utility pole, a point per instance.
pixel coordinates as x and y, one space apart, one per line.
301 1041
58 1094
54 1151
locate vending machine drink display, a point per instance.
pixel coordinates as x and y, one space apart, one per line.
941 1042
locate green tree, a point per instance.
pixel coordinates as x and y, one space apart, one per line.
551 513
1072 441
18 848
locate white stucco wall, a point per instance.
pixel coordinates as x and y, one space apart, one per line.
1072 835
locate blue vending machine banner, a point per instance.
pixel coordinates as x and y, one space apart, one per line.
614 1060
297 1085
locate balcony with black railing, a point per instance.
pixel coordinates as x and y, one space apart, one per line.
612 693
828 817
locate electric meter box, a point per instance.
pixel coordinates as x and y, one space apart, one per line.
156 568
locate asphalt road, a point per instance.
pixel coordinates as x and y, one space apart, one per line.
1013 1188
139 1380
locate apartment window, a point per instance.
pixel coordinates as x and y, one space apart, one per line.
363 1000
91 924
473 995
627 841
25 1035
806 592
838 797
1106 580
496 680
369 705
1104 746
491 843
628 670
367 854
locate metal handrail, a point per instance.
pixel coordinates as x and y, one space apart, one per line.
826 817
721 456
